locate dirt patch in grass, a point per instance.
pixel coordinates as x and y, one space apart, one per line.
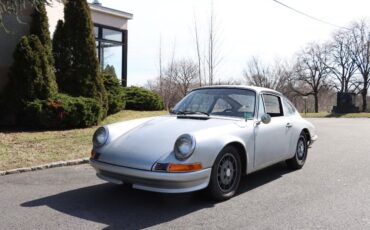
23 149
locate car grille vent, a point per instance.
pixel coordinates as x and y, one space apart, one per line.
160 167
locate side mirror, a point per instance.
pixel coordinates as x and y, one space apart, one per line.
265 118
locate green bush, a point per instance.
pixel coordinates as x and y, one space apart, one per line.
62 112
138 98
31 75
39 26
76 62
115 92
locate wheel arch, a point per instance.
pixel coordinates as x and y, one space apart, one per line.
307 134
242 153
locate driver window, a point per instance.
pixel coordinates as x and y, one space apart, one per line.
273 105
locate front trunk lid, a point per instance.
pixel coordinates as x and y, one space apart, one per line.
142 146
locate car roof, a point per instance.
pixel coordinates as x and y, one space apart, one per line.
254 88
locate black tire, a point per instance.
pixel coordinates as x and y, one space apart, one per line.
300 155
225 176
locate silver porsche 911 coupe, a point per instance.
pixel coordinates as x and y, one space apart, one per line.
210 139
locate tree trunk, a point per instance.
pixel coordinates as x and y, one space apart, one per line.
346 86
364 93
316 96
364 100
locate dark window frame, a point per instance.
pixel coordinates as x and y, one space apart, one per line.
123 43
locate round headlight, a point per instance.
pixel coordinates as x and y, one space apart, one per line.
100 137
184 146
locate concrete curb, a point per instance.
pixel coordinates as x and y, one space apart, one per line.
46 166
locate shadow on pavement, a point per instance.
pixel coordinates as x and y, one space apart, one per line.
124 208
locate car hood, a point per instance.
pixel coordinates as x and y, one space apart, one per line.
145 144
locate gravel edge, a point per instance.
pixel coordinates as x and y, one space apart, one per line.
45 166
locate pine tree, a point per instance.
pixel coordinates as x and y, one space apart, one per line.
79 75
31 76
109 69
60 53
40 27
115 92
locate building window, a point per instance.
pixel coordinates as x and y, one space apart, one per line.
111 46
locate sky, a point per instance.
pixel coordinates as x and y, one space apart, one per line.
245 28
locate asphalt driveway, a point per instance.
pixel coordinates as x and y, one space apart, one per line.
332 191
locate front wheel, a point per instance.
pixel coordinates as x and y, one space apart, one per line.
225 176
300 156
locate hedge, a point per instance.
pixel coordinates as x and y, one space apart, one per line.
138 98
62 112
115 92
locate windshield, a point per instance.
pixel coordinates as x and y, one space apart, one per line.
228 102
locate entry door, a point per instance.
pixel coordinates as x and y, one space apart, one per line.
271 140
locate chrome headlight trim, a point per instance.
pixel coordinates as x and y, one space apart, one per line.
100 137
184 146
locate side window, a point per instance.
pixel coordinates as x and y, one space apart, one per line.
273 105
288 107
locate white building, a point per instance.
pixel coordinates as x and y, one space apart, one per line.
110 28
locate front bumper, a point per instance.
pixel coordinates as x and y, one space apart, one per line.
153 181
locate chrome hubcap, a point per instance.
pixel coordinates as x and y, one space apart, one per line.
226 172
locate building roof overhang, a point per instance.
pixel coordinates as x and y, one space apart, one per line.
110 11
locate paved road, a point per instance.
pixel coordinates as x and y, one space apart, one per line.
332 191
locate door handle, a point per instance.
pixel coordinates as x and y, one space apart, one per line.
288 125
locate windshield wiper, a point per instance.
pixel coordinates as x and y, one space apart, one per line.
191 112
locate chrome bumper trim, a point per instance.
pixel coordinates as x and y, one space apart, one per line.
153 181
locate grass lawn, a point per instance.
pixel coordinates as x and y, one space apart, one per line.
24 149
345 115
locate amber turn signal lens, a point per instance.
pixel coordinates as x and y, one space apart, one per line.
184 167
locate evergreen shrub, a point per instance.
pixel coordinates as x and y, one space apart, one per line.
62 112
138 98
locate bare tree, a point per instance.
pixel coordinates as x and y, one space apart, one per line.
312 71
15 7
341 63
160 65
186 75
198 51
257 74
179 77
212 58
274 77
228 81
360 41
170 75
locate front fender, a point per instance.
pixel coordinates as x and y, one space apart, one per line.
207 151
118 129
211 142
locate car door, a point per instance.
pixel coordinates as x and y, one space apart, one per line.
292 126
272 139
